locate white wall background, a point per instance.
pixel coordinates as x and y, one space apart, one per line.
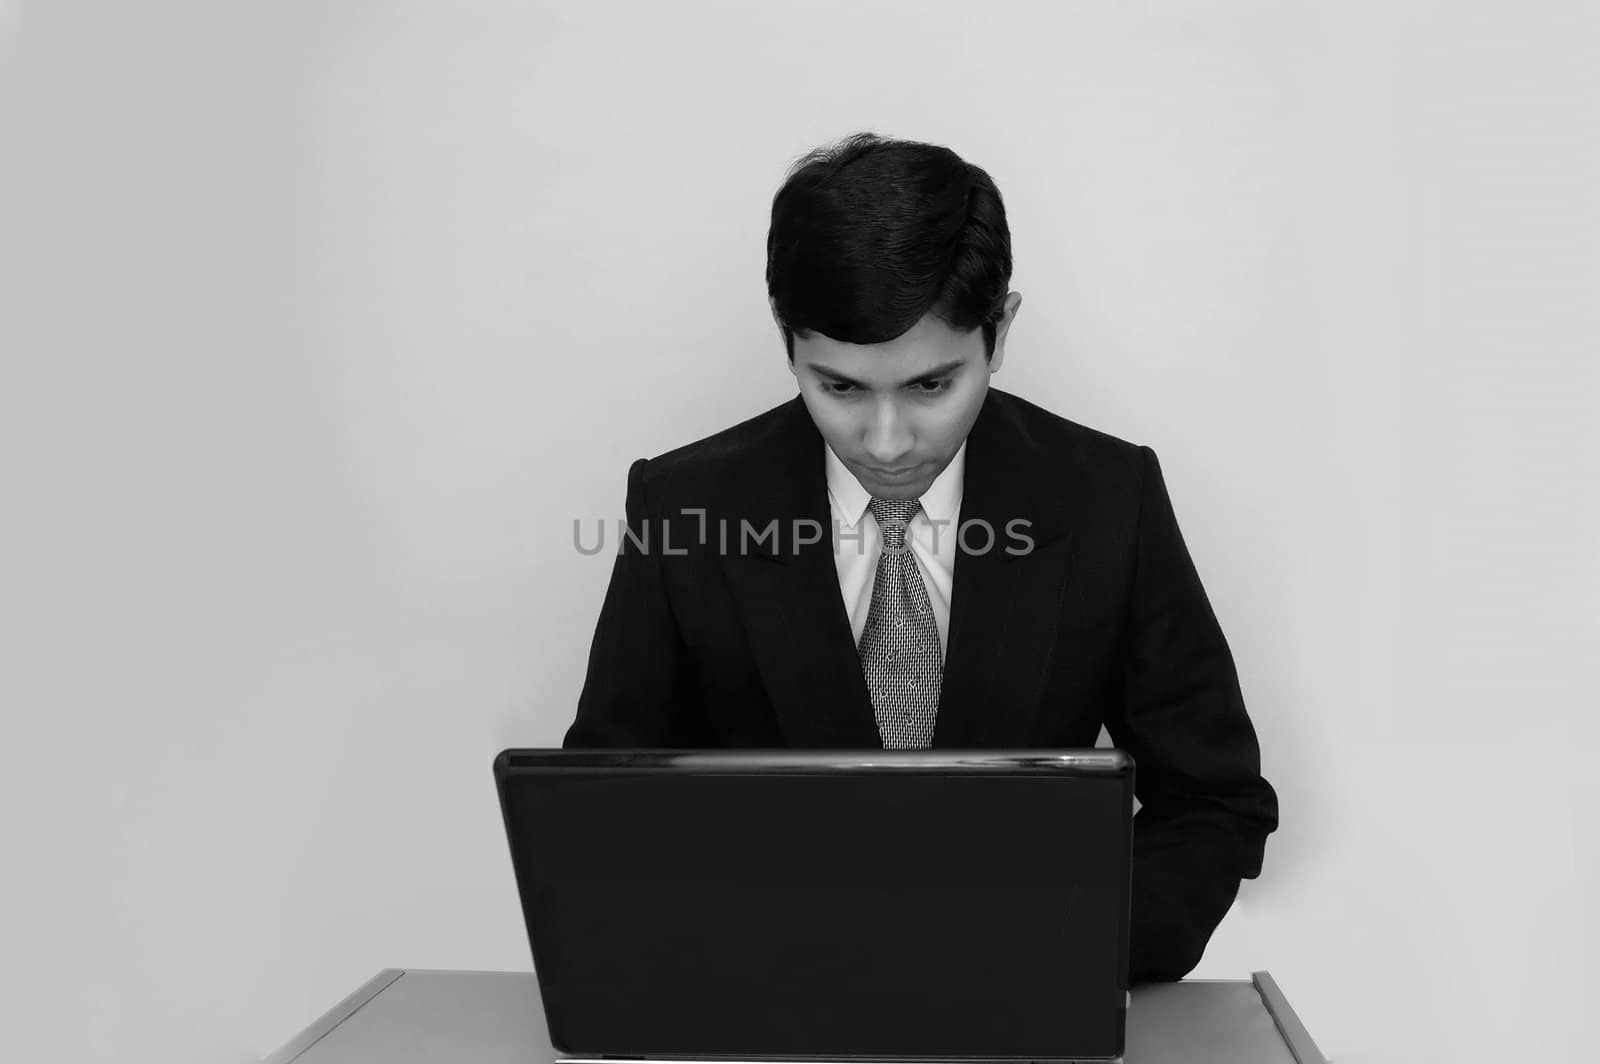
323 321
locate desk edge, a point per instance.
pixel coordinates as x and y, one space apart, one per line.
313 1034
1290 1029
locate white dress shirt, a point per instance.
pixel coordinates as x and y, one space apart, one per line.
857 542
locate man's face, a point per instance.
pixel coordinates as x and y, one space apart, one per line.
896 413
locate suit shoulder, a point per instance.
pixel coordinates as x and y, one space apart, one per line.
1068 440
704 464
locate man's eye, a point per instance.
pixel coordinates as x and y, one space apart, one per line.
933 387
838 387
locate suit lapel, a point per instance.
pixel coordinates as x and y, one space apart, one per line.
787 590
1006 597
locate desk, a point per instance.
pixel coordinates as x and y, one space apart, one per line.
406 1016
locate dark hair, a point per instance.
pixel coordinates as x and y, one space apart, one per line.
870 234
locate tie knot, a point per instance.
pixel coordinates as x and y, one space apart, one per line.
893 515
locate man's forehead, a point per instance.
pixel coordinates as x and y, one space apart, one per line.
922 349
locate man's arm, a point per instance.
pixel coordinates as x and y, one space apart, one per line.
631 690
1205 810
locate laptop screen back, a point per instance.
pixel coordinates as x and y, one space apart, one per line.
902 904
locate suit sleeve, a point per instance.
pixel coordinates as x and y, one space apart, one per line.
633 684
1205 810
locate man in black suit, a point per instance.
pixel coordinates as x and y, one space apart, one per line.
903 556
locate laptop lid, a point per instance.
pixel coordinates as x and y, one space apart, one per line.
786 904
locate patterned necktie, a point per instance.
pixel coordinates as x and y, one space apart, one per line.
900 654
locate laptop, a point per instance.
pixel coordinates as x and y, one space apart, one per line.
842 905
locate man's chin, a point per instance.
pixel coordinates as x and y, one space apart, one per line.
909 487
903 489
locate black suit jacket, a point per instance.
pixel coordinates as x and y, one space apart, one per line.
1103 621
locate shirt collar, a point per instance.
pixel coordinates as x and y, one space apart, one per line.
940 502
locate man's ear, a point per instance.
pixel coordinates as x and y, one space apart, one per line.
776 320
1003 326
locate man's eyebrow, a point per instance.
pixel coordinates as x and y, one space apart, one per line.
932 374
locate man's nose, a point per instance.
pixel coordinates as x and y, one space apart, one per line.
888 439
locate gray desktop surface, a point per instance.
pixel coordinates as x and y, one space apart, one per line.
408 1016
